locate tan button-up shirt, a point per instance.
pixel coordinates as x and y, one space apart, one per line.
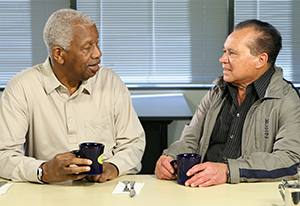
40 117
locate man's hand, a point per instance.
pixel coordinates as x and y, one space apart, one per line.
207 174
58 169
164 169
110 172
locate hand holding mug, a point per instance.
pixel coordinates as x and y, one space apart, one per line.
94 152
163 168
58 169
110 172
207 174
184 163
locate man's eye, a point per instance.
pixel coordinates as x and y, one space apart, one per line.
231 52
88 48
227 51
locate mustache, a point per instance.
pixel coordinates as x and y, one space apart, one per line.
97 61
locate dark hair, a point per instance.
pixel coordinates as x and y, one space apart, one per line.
268 38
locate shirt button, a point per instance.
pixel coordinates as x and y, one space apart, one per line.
231 136
238 115
70 119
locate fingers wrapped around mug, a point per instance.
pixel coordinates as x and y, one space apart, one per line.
207 174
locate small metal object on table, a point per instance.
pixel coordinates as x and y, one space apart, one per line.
132 190
126 188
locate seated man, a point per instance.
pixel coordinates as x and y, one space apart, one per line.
49 109
247 126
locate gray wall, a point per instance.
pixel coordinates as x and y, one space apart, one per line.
192 96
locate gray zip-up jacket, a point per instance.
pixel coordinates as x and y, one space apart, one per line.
270 137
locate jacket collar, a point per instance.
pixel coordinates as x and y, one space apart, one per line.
274 90
276 87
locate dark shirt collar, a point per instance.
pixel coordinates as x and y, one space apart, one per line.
260 85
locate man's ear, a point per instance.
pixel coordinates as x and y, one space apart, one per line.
262 60
58 54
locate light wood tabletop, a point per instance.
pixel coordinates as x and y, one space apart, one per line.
155 192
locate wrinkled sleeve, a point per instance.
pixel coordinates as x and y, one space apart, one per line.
129 134
14 164
190 140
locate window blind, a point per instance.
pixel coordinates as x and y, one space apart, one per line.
21 34
150 42
284 15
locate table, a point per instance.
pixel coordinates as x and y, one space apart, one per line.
161 107
156 112
155 193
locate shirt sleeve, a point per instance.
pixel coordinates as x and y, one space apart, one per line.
129 135
14 164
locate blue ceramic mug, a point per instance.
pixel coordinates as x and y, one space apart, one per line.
93 151
185 162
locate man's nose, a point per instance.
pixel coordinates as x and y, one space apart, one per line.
224 58
96 53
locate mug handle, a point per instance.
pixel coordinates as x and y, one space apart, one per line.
173 162
75 152
280 189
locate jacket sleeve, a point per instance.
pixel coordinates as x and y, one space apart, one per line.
272 151
190 140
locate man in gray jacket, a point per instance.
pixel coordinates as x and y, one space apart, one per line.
247 126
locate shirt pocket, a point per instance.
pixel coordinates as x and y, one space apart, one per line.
98 130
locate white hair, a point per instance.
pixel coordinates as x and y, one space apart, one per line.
59 27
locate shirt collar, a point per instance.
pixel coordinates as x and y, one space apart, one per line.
52 83
260 85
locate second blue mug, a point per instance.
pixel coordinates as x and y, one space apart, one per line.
185 162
